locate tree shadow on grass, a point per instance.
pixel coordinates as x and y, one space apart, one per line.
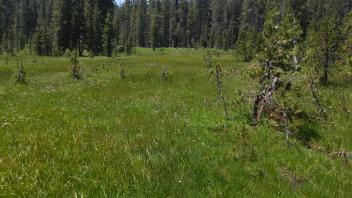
305 127
308 132
345 83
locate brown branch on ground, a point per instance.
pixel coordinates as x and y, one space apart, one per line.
342 155
293 178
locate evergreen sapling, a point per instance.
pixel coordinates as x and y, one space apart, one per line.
21 73
76 73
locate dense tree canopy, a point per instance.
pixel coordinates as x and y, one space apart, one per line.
50 27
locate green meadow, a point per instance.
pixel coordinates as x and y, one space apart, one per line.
149 135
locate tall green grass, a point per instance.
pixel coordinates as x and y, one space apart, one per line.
143 136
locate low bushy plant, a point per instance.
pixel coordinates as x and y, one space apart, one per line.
122 73
164 73
6 58
20 73
76 72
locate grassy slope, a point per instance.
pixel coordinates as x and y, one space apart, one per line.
144 136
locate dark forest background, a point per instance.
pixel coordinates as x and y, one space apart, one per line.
101 27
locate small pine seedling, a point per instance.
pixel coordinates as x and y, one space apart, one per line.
208 58
122 73
34 58
219 87
68 53
21 73
164 73
91 54
7 59
75 69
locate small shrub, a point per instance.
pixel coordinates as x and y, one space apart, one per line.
21 73
122 73
120 49
75 68
219 87
68 53
244 150
128 48
91 54
254 71
34 58
246 43
208 58
217 53
6 59
164 73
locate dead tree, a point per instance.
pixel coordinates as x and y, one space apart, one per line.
315 94
208 58
164 72
122 72
75 68
21 73
219 87
264 100
265 103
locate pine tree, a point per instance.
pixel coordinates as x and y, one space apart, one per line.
8 14
42 38
90 14
78 26
125 33
218 23
174 20
203 22
2 25
108 36
191 26
52 26
55 29
323 45
134 22
280 40
182 25
142 27
30 15
347 46
246 42
76 72
254 13
18 27
165 7
21 73
155 24
65 36
233 18
117 27
128 46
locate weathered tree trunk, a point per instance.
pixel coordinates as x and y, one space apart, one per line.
264 99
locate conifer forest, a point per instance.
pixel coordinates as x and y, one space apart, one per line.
176 98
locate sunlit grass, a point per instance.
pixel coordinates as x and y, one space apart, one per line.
144 136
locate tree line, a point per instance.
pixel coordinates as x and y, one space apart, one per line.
101 27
